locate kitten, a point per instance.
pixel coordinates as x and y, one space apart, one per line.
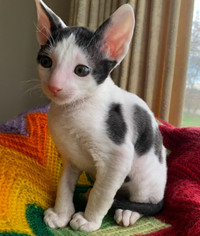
98 127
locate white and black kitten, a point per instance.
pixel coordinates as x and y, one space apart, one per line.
96 126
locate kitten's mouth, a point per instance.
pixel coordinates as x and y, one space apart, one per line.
55 95
60 99
60 96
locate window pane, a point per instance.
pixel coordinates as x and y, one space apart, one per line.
191 115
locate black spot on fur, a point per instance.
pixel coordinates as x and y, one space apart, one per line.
144 130
158 143
82 36
116 127
102 70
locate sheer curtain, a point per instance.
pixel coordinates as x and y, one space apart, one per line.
156 65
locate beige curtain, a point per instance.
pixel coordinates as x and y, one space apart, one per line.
156 65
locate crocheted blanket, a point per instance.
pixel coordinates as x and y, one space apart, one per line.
30 167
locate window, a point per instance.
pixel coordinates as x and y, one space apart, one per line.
191 115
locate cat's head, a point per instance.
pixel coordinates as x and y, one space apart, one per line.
74 61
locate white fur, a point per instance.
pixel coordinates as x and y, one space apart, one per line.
66 56
78 131
77 120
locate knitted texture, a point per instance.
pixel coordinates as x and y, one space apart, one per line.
182 198
30 167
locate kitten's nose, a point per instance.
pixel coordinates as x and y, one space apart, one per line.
53 89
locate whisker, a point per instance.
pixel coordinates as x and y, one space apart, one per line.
31 85
25 82
33 89
50 36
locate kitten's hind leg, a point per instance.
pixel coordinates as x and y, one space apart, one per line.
126 217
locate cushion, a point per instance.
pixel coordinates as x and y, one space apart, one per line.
30 167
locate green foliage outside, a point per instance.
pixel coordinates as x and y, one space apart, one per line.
190 120
191 116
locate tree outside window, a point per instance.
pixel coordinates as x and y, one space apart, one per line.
191 116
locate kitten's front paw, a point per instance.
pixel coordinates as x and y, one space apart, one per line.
56 220
79 222
126 218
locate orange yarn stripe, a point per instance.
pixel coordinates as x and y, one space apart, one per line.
34 145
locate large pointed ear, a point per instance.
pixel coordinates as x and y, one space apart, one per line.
117 33
48 22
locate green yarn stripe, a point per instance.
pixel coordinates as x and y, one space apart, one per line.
67 232
143 226
34 216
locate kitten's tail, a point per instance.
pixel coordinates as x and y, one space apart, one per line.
147 209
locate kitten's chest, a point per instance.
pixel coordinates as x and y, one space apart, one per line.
75 134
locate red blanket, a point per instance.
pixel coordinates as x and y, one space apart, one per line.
182 197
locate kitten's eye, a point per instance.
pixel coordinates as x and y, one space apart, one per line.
82 70
45 61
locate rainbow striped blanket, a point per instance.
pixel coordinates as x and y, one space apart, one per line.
30 167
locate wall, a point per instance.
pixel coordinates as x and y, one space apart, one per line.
18 52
